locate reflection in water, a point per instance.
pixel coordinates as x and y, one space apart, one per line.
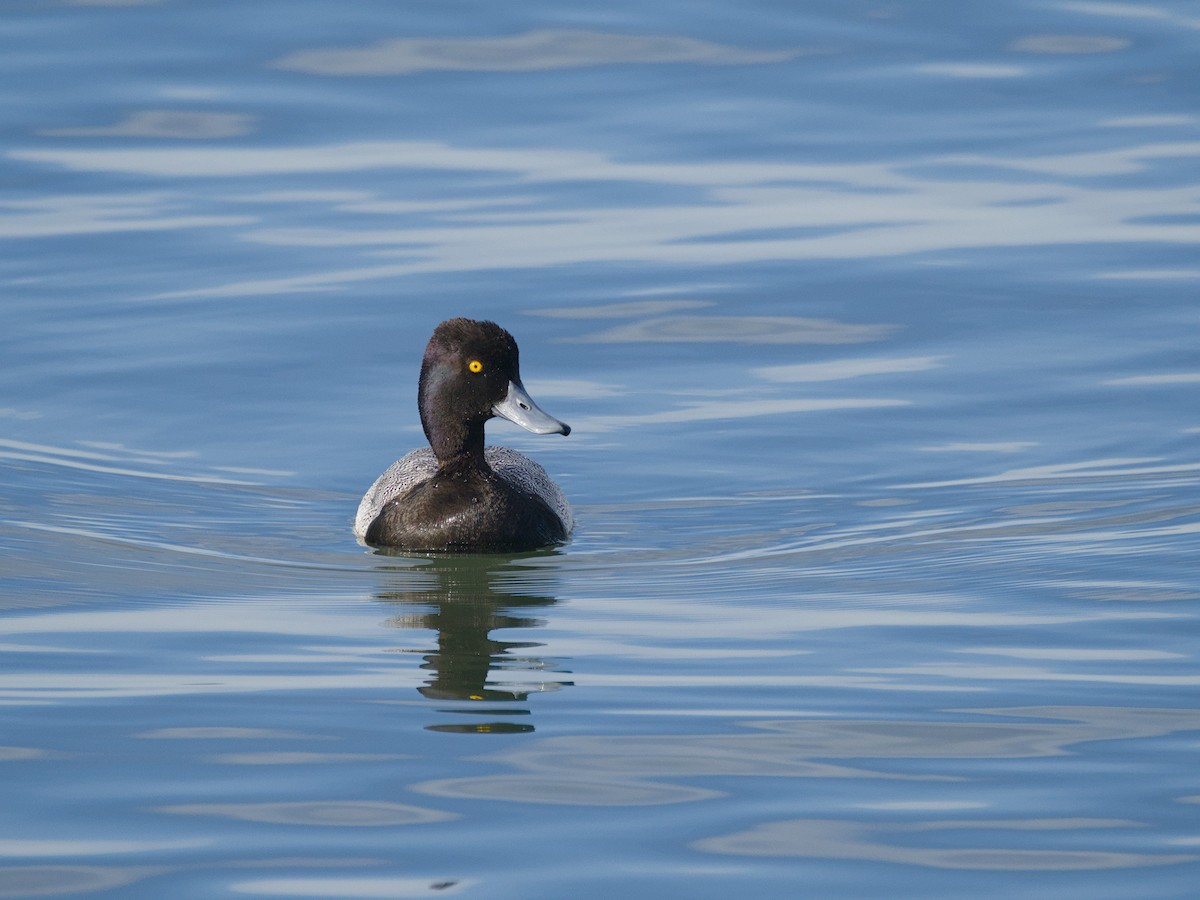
353 886
222 733
735 212
471 596
47 881
567 790
949 237
352 813
972 70
840 369
166 123
30 849
741 329
803 748
840 839
617 768
543 49
298 758
8 754
1068 43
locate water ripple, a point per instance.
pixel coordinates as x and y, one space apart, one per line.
341 813
842 839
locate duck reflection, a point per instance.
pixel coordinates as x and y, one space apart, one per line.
464 599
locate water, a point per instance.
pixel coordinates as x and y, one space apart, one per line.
876 327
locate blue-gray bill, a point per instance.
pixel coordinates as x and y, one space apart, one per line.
518 407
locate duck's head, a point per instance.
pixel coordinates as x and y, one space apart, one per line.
470 373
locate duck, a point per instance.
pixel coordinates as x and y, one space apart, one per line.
456 495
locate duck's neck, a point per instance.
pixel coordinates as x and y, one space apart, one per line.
456 443
459 446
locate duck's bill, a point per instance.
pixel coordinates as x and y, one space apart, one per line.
518 407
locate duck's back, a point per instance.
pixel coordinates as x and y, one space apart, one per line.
515 506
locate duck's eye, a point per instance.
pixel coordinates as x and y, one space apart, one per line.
475 366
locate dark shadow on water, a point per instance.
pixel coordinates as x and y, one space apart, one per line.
464 599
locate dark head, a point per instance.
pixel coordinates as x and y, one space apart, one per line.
470 373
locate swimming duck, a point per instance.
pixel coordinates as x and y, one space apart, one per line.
457 495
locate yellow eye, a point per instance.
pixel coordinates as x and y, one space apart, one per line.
475 366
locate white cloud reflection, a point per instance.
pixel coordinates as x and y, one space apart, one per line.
59 879
570 790
1074 654
1132 11
1066 473
740 329
516 217
298 758
324 813
1164 121
574 389
347 887
167 123
1151 275
959 672
980 447
532 51
65 214
839 369
627 309
972 70
1163 378
742 408
1069 43
893 843
27 849
118 461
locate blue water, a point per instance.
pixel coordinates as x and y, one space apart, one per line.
876 326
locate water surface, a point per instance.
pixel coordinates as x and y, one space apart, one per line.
875 325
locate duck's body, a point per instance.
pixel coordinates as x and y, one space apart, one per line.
471 511
457 495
